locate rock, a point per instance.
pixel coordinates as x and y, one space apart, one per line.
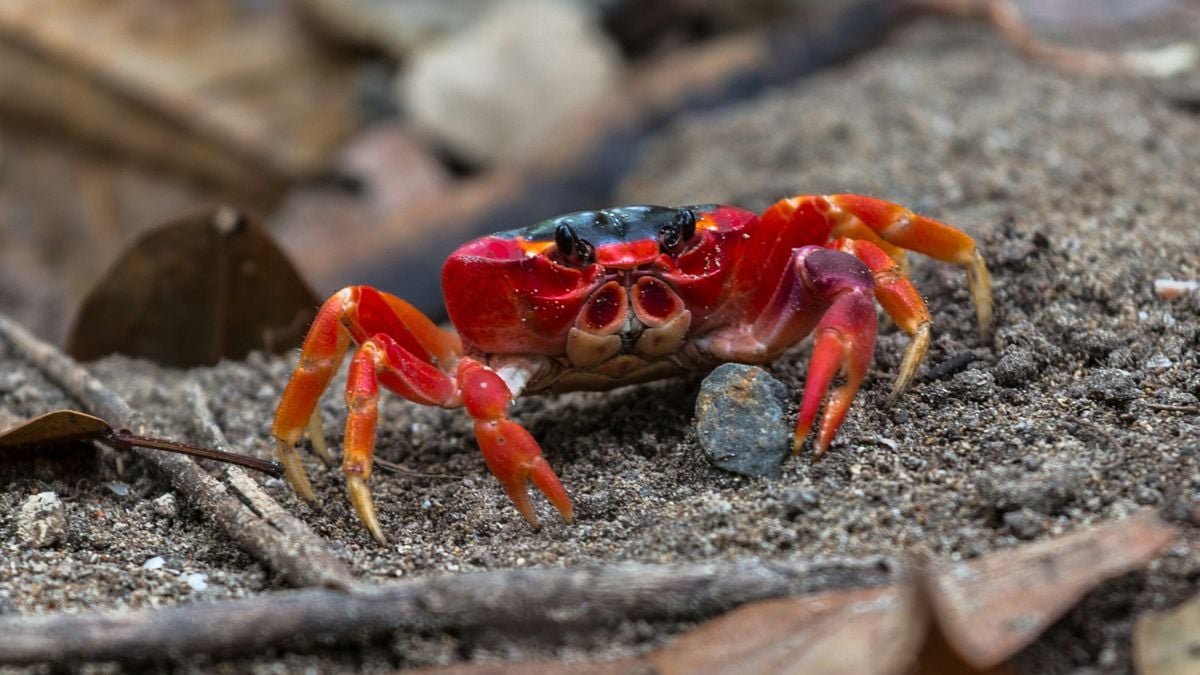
800 502
1111 385
42 521
500 89
740 419
1016 367
974 385
1025 524
166 506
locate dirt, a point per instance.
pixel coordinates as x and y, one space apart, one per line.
1080 191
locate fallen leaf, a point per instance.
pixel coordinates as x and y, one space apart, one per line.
993 607
208 286
66 426
1168 643
855 632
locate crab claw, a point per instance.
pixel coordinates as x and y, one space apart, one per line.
510 451
515 459
844 341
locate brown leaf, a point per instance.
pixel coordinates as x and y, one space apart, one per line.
1168 643
54 427
65 426
860 631
232 91
993 607
208 286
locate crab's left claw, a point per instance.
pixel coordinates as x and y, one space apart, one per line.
844 341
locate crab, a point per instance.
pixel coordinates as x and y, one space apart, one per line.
600 299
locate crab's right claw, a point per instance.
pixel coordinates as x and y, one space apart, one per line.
515 459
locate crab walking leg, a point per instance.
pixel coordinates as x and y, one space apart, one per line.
891 226
899 226
510 451
901 301
381 360
324 347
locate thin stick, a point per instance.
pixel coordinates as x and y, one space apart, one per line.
251 533
308 555
1174 408
128 440
545 599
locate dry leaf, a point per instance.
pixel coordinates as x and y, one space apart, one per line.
993 607
66 426
205 287
854 632
1168 643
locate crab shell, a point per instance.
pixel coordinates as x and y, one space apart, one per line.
628 315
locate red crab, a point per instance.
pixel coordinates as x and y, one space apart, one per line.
601 299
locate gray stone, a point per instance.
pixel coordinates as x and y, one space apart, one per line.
741 420
42 521
500 89
166 506
1111 385
1025 523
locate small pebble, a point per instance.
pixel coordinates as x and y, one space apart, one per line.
799 502
1016 367
1111 385
196 581
42 521
166 506
154 563
117 488
740 420
1025 523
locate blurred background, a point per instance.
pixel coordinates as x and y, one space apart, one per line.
370 137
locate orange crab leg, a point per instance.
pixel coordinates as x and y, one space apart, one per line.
324 347
399 348
511 453
902 303
891 226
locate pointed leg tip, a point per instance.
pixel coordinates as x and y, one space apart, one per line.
364 506
293 469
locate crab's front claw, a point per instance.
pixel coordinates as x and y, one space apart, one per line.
510 451
515 459
844 341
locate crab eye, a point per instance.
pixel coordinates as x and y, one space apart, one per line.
685 220
565 239
679 231
574 251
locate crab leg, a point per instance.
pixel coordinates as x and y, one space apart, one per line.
324 347
901 302
511 453
891 226
399 350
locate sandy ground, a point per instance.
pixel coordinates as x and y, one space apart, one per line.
1081 192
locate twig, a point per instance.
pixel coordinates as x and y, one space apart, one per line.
253 534
1195 409
294 546
1006 17
541 599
